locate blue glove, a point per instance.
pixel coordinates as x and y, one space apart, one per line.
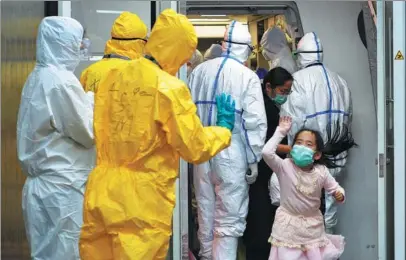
225 111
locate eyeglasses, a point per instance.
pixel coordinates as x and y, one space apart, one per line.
283 91
286 92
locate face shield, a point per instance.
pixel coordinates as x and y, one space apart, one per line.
296 55
85 47
250 47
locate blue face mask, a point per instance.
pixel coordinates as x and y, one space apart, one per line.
302 155
280 99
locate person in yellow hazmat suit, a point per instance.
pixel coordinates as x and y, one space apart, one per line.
144 121
128 38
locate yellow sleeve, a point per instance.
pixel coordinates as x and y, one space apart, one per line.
83 80
176 112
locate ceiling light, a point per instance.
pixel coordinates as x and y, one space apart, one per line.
208 20
108 12
213 15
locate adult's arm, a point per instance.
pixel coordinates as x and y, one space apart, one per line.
176 112
72 112
254 121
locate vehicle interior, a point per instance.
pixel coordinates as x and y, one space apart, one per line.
210 26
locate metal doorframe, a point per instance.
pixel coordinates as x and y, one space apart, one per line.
65 8
399 81
381 119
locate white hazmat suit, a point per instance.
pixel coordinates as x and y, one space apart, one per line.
214 51
221 184
319 98
55 142
276 50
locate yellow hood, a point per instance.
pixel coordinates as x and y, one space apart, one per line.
172 41
126 36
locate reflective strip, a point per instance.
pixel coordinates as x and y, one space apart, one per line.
328 112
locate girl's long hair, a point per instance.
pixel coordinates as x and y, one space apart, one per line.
337 143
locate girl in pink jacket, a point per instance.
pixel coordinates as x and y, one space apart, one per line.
298 231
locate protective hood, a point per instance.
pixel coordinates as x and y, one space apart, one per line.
128 36
196 59
276 50
214 51
58 42
172 42
309 50
237 41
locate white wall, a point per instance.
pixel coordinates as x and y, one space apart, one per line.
336 25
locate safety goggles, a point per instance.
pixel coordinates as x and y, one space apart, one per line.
239 43
129 39
295 53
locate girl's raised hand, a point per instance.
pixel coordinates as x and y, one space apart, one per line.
285 123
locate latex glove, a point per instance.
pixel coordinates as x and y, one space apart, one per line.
252 173
285 123
225 111
339 196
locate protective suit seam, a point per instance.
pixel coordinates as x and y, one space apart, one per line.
248 142
327 79
219 71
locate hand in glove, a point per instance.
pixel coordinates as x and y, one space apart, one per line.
225 111
252 173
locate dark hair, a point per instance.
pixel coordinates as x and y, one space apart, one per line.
339 142
276 77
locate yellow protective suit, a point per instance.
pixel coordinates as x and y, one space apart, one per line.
144 121
127 43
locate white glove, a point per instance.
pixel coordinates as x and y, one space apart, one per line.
252 173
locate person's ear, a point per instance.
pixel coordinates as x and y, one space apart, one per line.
268 88
317 156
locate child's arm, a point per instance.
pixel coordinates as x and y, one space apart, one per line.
269 152
333 188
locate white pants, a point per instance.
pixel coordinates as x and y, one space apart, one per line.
222 199
330 216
